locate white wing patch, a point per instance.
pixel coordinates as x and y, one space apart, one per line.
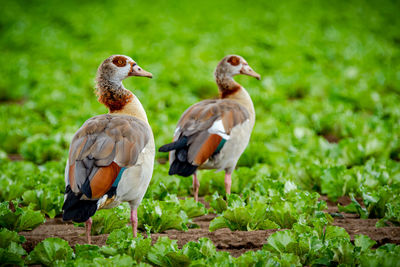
218 128
177 130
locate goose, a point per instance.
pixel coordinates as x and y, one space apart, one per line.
111 156
212 134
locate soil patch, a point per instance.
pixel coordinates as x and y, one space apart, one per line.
331 137
15 157
235 243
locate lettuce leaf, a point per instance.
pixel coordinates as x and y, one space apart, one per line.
20 220
49 251
165 252
118 260
192 208
107 220
47 199
122 241
162 215
11 251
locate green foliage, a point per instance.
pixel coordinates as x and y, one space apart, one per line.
386 255
123 242
118 260
50 252
46 199
266 258
40 148
363 242
162 215
277 205
244 219
17 177
161 184
11 251
328 245
88 252
21 219
192 208
105 221
165 252
378 204
156 215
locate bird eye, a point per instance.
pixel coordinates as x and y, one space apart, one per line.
119 61
234 60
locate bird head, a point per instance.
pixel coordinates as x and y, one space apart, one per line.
119 67
235 65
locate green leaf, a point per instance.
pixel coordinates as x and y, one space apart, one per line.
217 223
20 220
109 251
123 242
332 232
162 215
29 220
47 199
7 236
363 242
11 251
9 219
165 253
118 260
203 249
192 208
351 208
279 241
217 203
107 220
49 251
392 214
86 251
342 251
12 255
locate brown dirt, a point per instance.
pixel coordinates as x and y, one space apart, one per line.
355 226
331 138
15 157
236 242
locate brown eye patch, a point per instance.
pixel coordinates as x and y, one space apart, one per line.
119 61
234 60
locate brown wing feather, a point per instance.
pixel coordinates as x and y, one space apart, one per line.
199 118
102 144
207 149
103 179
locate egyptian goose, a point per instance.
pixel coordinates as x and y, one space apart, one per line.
111 156
212 134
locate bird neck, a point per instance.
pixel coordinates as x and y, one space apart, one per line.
230 89
226 85
119 100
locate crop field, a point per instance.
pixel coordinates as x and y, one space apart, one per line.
318 184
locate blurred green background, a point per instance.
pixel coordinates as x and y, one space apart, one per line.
329 94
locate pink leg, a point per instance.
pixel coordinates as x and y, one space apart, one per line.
88 225
134 221
228 183
196 186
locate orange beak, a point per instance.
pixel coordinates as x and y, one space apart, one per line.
138 71
247 70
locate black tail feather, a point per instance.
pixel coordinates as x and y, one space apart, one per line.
182 168
180 165
76 209
178 144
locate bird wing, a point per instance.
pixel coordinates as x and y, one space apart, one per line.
100 149
206 124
